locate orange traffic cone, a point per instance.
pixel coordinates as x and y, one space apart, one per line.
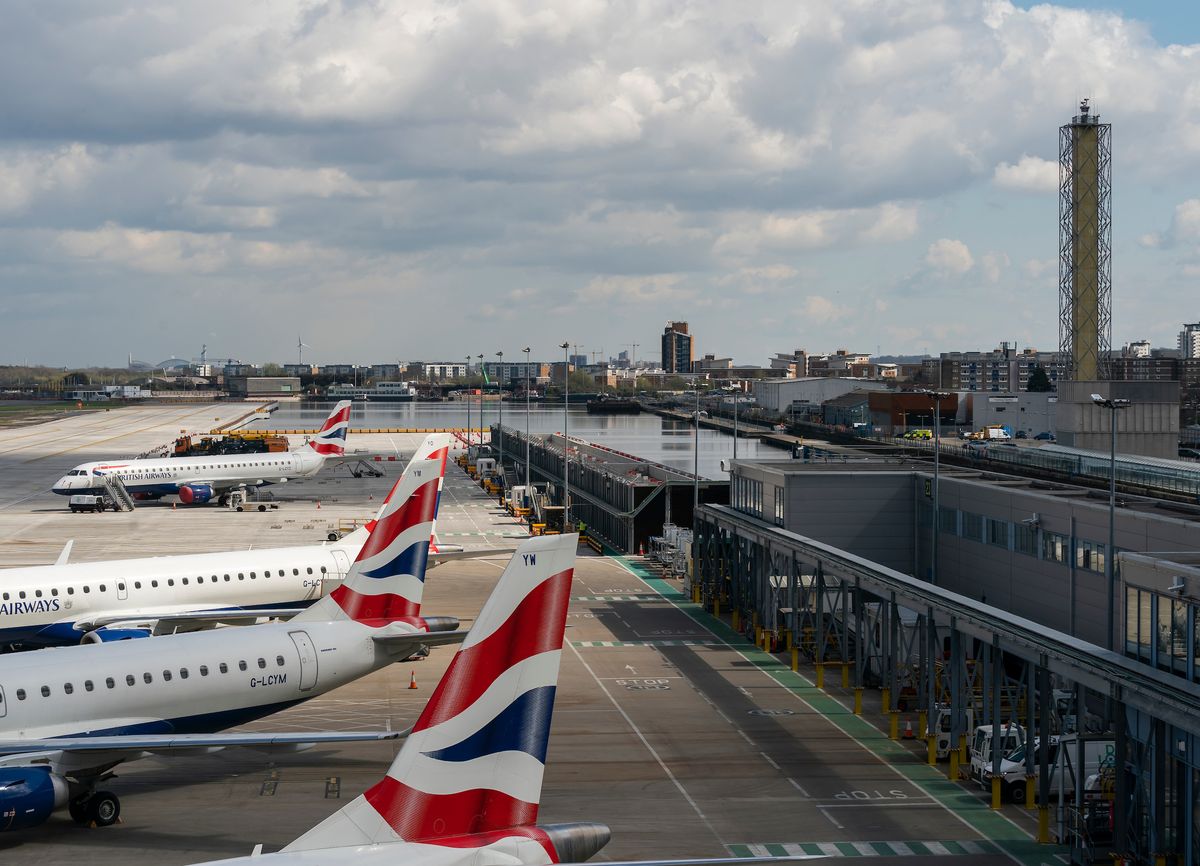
412 683
318 505
641 550
172 506
908 731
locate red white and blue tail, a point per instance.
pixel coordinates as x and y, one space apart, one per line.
330 440
470 773
387 580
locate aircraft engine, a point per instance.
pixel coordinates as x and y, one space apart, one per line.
28 795
108 635
195 494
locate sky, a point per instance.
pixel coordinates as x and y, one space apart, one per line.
432 179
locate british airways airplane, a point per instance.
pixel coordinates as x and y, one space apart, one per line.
96 602
71 714
466 786
196 480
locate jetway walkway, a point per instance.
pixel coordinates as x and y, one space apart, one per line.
958 662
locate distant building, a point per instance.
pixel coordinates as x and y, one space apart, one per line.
793 365
1189 340
385 372
300 369
338 369
437 371
677 348
578 361
1000 370
507 372
782 395
711 362
263 386
1137 349
240 370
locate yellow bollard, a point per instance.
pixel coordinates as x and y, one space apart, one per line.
787 634
796 658
858 701
995 792
845 675
1044 824
952 773
894 726
736 620
885 699
922 725
1029 793
932 757
717 606
820 675
766 640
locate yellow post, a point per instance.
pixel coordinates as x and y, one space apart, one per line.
787 634
952 773
1029 795
845 675
795 658
885 699
820 675
996 792
717 606
894 725
766 640
1044 824
858 701
736 620
932 757
922 726
696 594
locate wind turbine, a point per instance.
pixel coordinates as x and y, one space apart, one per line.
300 347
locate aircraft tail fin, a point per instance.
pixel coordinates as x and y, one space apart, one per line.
330 440
470 773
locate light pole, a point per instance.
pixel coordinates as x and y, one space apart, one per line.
696 452
482 373
938 397
736 395
467 379
1113 406
566 347
500 423
526 351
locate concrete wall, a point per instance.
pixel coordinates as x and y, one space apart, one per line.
1149 427
1034 413
779 394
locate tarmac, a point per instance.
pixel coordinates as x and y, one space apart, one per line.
668 726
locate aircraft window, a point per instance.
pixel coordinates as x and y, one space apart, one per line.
279 660
87 589
121 586
183 673
310 569
170 581
241 576
68 688
166 676
241 665
148 679
267 573
224 668
252 575
154 583
45 691
6 596
129 680
108 681
88 686
22 593
297 571
185 581
70 591
137 584
227 578
322 569
262 664
20 694
38 593
213 579
54 591
203 670
103 587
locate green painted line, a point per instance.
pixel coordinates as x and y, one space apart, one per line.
919 848
739 851
989 824
954 848
810 848
776 850
847 849
885 850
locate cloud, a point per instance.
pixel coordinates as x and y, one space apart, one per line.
949 257
820 310
993 264
1039 269
1030 174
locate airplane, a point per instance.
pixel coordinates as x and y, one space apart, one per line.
96 602
196 480
466 785
69 715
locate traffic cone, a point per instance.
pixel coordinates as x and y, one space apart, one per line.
412 682
641 550
318 505
908 731
172 506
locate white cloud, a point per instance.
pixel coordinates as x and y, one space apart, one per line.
822 311
949 257
647 289
1038 269
1030 174
993 264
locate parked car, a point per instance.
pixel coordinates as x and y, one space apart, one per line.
1045 436
1021 434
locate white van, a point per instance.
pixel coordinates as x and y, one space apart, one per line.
1063 757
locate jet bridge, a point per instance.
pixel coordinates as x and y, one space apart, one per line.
959 663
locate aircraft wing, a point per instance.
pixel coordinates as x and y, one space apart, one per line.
415 640
166 743
168 623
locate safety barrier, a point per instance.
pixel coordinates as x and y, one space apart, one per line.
353 430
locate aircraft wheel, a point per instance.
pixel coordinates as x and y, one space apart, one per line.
104 808
79 811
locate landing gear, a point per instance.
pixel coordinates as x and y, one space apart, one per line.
101 808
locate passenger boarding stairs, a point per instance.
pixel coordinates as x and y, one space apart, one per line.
117 494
